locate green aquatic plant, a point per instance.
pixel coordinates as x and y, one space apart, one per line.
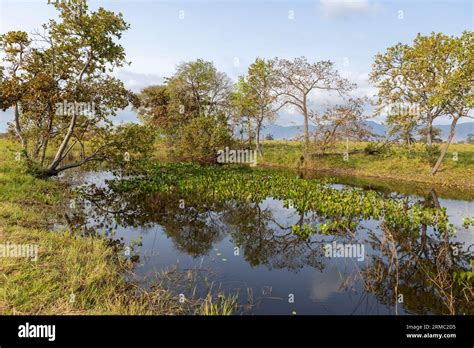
339 209
467 222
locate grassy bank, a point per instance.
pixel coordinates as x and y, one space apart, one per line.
397 163
72 274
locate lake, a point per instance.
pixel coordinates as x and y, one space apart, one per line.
249 249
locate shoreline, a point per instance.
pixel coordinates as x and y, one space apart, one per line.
340 172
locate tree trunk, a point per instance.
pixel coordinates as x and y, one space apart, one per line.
24 143
59 155
249 130
429 130
46 140
429 136
446 146
306 126
257 140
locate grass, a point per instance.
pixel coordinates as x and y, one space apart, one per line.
73 274
398 163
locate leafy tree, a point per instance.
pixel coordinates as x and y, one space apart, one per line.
456 92
197 88
298 78
434 134
410 75
269 137
59 87
192 109
154 105
255 96
402 127
435 74
470 138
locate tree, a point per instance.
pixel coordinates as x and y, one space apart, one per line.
402 127
470 138
344 121
434 75
58 85
197 88
202 138
269 137
434 134
154 105
298 78
191 108
255 95
408 77
456 92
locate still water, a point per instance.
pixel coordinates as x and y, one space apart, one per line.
249 249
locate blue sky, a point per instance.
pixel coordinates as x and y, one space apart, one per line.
233 33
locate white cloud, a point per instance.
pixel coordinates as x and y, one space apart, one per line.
343 8
137 81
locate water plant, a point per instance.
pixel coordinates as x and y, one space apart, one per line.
340 209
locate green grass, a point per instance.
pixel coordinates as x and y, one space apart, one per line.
73 274
397 163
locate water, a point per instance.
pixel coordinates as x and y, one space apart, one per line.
249 249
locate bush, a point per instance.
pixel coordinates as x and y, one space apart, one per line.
432 154
371 149
202 138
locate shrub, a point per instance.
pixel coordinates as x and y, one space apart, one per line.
202 138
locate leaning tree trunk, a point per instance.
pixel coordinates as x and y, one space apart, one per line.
446 146
59 155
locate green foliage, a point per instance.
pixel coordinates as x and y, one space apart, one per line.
432 153
202 138
468 222
153 108
434 74
191 110
68 65
130 145
340 209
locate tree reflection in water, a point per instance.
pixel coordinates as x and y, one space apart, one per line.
418 267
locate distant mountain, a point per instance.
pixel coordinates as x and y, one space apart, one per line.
291 132
462 131
284 132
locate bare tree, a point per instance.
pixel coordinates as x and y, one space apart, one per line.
343 121
298 78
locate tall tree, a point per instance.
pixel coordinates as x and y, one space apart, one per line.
410 74
197 89
154 106
456 90
58 84
434 75
255 95
192 109
298 78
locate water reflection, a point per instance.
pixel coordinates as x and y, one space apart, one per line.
420 268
